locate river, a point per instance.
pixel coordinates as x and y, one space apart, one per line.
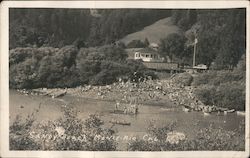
189 123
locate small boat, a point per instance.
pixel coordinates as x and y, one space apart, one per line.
206 113
186 110
118 111
230 111
123 122
222 109
241 113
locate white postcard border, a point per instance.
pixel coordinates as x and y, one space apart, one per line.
4 67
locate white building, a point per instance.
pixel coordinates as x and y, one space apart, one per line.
145 54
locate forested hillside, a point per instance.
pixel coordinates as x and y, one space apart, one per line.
43 35
221 36
60 27
221 33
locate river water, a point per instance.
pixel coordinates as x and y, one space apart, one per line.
189 123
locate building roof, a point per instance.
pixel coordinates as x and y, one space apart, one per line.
149 50
131 51
154 45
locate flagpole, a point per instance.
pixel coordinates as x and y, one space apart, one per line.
195 42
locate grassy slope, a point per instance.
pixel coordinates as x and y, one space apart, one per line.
154 32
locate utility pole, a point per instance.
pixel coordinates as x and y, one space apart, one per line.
195 42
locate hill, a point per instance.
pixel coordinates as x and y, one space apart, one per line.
84 27
158 30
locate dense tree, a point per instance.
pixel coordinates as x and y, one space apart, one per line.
70 67
136 44
117 23
47 62
184 18
48 27
43 67
221 34
173 46
60 27
221 37
146 42
209 35
101 65
233 45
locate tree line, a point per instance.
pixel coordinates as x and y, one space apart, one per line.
221 37
60 27
68 47
70 66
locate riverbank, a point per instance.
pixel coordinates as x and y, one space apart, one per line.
146 92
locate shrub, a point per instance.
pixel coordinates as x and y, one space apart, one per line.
183 79
231 95
208 139
138 71
20 134
101 66
206 94
219 77
225 76
158 141
23 74
110 71
42 67
70 67
20 54
66 133
228 95
222 88
204 78
216 139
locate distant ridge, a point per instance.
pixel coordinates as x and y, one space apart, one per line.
160 29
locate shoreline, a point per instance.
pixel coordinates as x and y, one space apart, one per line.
152 92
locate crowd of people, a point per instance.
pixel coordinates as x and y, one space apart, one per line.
130 94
